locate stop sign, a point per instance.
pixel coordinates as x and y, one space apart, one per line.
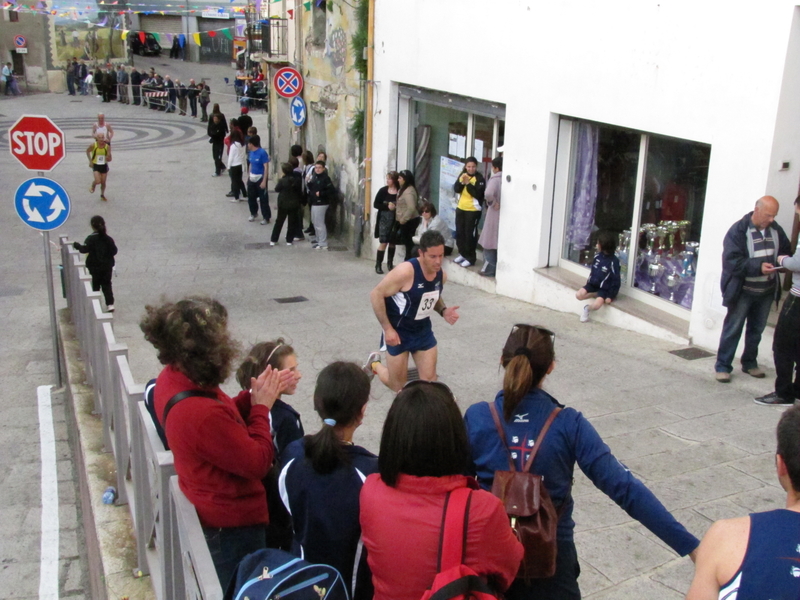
37 143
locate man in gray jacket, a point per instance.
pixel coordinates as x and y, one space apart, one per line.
786 341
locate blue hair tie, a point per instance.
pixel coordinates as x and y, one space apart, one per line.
331 422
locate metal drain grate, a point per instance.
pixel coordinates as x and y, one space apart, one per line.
291 299
256 246
337 248
691 353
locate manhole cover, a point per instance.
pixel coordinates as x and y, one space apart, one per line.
291 299
256 246
691 353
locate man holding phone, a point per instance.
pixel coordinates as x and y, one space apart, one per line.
750 283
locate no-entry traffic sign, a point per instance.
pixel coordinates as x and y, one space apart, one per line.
288 82
37 143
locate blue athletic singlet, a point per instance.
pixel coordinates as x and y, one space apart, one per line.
771 566
411 311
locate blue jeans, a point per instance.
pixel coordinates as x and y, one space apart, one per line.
753 308
229 545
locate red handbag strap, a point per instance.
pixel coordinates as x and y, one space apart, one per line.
540 439
501 432
453 537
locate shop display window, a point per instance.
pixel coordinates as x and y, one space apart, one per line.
649 191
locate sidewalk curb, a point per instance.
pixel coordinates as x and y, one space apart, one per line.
110 542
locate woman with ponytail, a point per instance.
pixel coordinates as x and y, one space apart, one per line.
322 475
523 407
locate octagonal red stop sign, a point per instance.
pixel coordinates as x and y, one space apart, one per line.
37 143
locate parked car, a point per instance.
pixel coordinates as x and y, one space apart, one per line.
149 46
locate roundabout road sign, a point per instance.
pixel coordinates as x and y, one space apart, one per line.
298 110
42 204
288 82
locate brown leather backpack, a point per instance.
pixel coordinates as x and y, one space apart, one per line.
529 507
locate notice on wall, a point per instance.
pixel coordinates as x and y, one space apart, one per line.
449 171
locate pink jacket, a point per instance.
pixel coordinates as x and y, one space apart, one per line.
401 525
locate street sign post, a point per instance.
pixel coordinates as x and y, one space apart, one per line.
298 111
37 143
288 82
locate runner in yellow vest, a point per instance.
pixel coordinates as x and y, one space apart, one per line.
99 155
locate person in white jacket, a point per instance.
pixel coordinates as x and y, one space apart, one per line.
431 220
237 155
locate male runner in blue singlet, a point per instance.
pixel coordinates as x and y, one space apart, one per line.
404 301
757 556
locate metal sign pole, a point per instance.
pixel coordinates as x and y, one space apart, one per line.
52 301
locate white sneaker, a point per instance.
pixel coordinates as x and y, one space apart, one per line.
367 366
465 263
585 313
458 259
110 308
252 218
272 243
288 243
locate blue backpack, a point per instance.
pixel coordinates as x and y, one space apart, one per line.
271 574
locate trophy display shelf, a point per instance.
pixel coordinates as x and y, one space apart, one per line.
661 281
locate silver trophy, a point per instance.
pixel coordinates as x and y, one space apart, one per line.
661 233
673 280
689 259
655 270
649 230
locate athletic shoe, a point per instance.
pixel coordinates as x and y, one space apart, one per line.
374 357
756 372
772 400
723 377
299 239
585 313
458 259
110 308
252 218
91 188
272 243
103 198
215 175
320 247
465 263
229 195
288 243
234 200
264 222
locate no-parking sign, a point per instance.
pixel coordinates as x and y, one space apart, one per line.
288 82
20 41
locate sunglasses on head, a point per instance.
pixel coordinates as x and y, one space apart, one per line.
542 330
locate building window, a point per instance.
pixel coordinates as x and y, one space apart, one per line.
13 16
649 191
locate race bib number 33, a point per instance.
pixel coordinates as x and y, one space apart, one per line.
426 304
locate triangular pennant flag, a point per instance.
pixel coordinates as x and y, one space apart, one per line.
157 36
307 6
196 38
291 13
142 36
181 40
212 34
227 33
169 39
125 34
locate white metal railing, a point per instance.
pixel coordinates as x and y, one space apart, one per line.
170 546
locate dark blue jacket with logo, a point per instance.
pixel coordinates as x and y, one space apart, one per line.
605 273
571 439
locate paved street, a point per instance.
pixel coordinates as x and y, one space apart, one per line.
705 449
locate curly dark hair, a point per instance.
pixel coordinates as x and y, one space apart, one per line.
192 336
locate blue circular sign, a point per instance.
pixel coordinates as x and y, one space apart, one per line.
298 110
41 203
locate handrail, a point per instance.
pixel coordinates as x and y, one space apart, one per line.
170 545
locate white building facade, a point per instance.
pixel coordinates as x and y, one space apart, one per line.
660 121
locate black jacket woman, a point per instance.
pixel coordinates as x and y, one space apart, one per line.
385 205
290 194
407 211
217 130
101 251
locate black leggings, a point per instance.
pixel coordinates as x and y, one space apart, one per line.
237 185
101 280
